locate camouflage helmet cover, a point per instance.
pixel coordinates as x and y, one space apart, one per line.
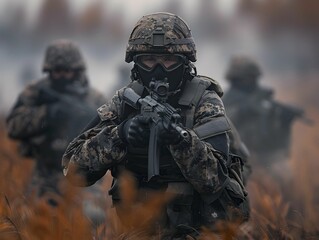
242 67
64 54
161 33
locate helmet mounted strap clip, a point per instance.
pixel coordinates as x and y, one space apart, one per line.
158 37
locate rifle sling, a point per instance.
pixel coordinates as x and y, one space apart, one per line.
193 92
190 98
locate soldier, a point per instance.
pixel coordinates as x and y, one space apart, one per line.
51 112
263 123
194 160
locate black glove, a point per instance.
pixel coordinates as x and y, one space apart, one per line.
135 131
168 135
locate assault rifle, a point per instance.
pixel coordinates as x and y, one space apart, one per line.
291 113
155 107
50 95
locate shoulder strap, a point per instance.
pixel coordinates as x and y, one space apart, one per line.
214 85
193 91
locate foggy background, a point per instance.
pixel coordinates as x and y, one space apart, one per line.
282 36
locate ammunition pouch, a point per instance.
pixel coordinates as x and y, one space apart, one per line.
179 210
235 197
232 203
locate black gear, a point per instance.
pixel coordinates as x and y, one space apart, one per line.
135 131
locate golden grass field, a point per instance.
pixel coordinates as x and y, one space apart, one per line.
280 209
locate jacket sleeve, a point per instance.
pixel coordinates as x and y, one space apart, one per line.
28 116
201 164
96 150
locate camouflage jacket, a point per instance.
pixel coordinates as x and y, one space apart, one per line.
263 123
100 148
46 120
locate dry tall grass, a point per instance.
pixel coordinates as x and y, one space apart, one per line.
281 208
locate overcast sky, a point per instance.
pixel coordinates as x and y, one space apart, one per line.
133 9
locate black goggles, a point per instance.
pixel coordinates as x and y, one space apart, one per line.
168 61
63 69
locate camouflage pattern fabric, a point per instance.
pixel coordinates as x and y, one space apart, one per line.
263 124
100 149
196 170
176 34
63 54
46 121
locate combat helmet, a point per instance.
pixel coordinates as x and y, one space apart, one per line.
242 67
63 54
161 33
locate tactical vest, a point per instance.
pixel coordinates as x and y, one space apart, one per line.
179 211
136 159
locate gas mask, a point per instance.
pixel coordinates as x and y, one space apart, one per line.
62 78
246 83
168 68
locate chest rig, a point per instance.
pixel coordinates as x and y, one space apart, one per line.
184 209
136 158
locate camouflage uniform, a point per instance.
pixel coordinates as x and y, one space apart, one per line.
46 119
263 123
197 169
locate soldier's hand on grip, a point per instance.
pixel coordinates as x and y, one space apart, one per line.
136 131
168 135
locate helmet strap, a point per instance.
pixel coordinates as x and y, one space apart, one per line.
135 76
191 70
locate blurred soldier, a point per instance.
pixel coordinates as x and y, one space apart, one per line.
51 112
263 123
194 160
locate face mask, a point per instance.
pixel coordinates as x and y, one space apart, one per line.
248 84
161 67
60 82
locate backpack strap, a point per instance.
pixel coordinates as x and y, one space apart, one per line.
193 92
